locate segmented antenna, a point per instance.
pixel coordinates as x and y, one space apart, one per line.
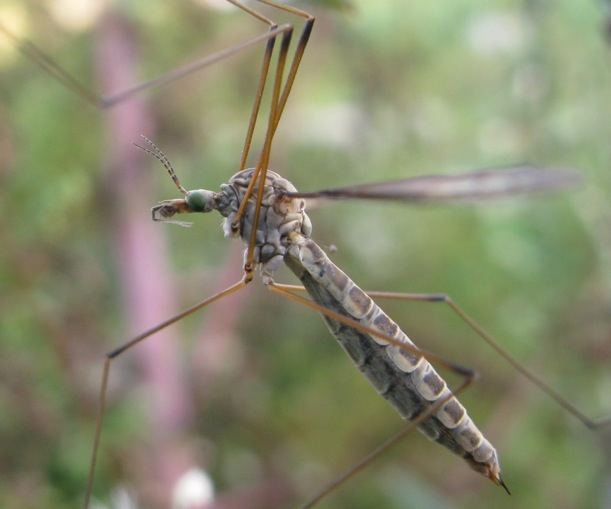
161 157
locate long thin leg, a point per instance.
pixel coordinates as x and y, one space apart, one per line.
483 334
123 348
38 56
286 291
364 462
109 101
301 45
280 95
496 346
469 375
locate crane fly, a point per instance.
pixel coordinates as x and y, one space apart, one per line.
268 213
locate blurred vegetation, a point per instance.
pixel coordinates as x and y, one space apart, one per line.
386 90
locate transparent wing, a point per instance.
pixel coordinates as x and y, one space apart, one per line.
463 187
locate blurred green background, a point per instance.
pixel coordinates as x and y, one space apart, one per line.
254 389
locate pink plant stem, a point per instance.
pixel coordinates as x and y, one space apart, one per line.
149 295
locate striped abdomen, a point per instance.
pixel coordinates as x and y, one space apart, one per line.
406 380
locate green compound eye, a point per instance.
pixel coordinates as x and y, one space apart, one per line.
196 200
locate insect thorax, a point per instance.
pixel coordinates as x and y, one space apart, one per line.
280 216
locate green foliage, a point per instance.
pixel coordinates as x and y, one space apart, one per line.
387 89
